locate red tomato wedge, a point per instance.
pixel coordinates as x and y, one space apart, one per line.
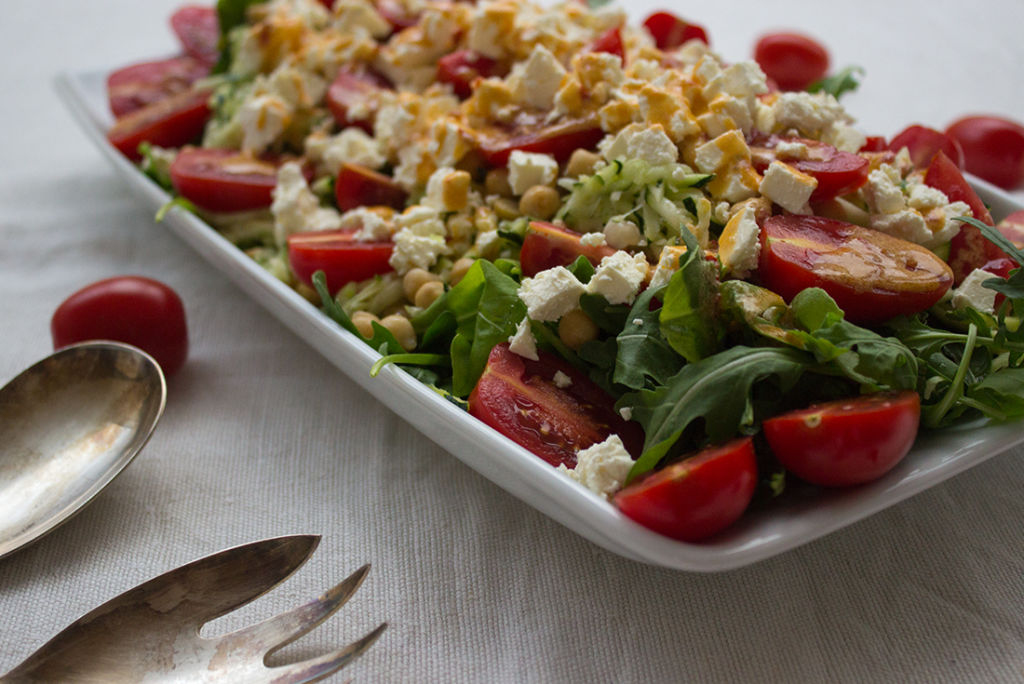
792 60
559 140
170 122
337 253
611 42
136 86
138 311
353 98
837 172
546 245
462 68
358 186
924 142
669 31
198 31
871 275
968 249
692 499
993 148
223 180
846 442
519 398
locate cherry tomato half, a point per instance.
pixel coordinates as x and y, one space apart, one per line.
872 276
1012 227
223 180
792 60
669 31
993 148
924 142
462 68
611 42
547 245
837 172
353 98
198 31
846 442
519 398
358 186
339 255
169 122
131 309
694 498
559 140
139 85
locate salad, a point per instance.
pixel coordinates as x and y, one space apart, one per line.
680 285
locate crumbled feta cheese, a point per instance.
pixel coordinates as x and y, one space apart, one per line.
522 342
447 190
923 197
626 413
883 192
906 224
971 293
721 152
351 145
739 247
358 17
789 188
593 240
263 119
551 294
562 380
620 234
419 241
618 277
295 208
603 467
526 169
638 141
791 149
668 263
369 225
535 82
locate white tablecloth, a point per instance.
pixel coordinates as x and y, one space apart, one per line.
262 437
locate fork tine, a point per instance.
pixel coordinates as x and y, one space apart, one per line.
317 668
280 630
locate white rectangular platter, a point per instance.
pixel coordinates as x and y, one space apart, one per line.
768 532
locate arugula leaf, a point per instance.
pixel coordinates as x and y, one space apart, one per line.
643 351
687 317
716 389
610 318
836 85
487 310
582 269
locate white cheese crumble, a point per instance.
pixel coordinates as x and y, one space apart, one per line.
419 241
788 187
620 234
562 380
739 246
551 294
619 276
639 141
971 293
535 82
295 208
352 145
603 467
526 169
523 342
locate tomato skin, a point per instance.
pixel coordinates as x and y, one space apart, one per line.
924 142
611 42
338 254
198 31
846 442
837 172
993 148
222 180
874 143
559 140
170 122
353 98
138 311
546 245
358 186
794 61
462 68
138 85
669 31
872 276
1012 228
518 397
697 497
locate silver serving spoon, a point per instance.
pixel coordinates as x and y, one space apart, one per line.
68 426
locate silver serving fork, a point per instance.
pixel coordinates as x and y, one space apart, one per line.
151 633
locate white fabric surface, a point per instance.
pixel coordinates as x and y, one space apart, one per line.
262 437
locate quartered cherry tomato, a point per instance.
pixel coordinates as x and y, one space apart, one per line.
694 498
358 186
968 249
546 245
837 172
223 180
339 255
559 140
669 31
198 31
924 142
872 276
519 398
353 98
169 122
846 442
993 148
462 68
138 311
136 86
792 60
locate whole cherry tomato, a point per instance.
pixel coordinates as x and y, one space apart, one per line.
993 148
792 60
131 309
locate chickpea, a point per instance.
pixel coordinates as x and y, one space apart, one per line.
582 163
400 326
364 320
506 208
415 279
428 293
459 270
496 182
540 201
575 328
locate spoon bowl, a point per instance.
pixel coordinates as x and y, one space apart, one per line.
68 426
